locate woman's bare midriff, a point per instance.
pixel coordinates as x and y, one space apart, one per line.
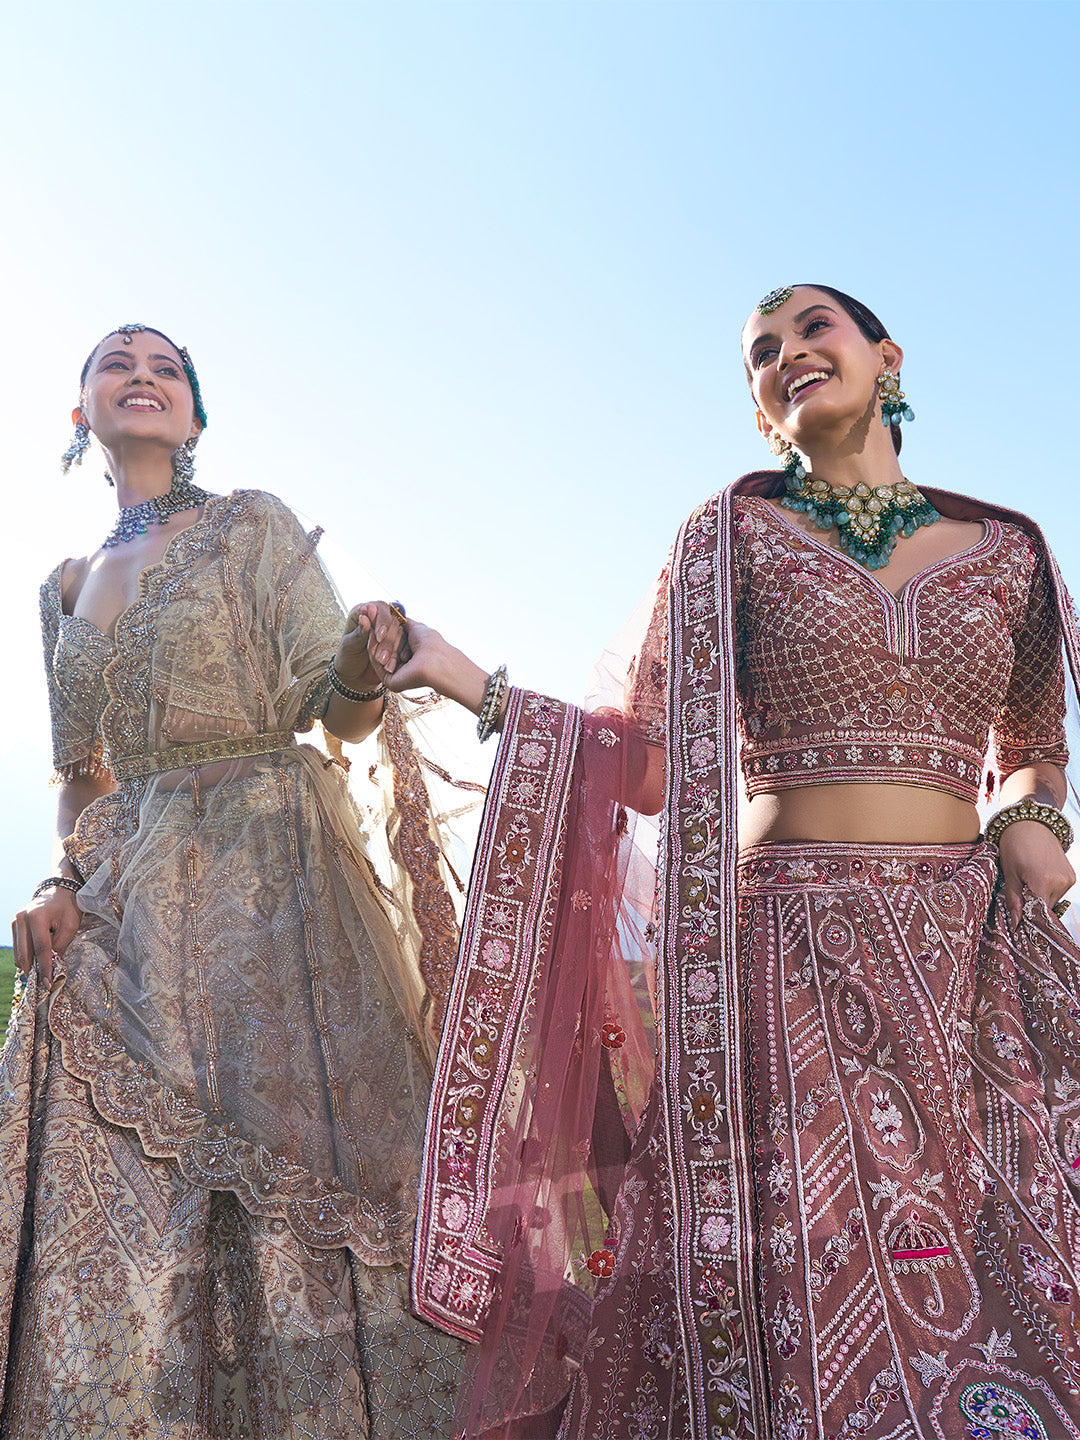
859 814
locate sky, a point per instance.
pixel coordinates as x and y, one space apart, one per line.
464 280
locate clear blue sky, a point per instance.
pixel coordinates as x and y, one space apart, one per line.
464 280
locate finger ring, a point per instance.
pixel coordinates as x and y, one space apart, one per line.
1060 908
397 609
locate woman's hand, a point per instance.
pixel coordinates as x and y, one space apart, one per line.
372 646
44 930
435 663
1032 858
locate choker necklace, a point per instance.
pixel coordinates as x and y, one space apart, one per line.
869 518
136 519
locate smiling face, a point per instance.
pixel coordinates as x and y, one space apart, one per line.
812 370
136 389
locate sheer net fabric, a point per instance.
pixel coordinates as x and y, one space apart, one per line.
244 1026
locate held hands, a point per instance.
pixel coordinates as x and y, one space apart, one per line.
433 662
1032 859
42 932
372 647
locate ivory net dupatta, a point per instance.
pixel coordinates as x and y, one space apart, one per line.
258 981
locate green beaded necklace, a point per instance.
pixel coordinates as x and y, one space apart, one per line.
868 518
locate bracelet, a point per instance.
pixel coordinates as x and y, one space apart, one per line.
358 697
1030 810
58 882
491 705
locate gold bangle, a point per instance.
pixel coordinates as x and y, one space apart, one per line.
358 697
1046 815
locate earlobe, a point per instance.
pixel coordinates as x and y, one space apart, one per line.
77 416
764 428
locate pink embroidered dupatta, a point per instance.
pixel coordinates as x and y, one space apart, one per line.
523 1136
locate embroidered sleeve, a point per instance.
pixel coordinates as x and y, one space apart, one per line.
75 657
308 621
648 681
1031 726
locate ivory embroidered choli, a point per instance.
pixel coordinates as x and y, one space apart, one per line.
235 1067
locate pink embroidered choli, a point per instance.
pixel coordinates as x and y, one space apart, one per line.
839 680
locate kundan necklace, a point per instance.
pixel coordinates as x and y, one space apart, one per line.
868 518
136 519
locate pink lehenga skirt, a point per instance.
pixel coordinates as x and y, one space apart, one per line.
915 1092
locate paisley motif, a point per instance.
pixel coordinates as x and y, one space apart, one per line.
996 1409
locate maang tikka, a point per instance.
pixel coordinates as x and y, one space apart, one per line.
73 455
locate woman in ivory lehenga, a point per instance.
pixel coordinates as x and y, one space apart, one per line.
214 1087
788 1146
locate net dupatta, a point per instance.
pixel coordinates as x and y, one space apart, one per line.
545 1061
420 823
521 1153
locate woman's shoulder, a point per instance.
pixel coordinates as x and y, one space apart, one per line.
70 571
259 514
261 504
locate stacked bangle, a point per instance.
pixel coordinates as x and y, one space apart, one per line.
491 705
1030 810
358 697
58 882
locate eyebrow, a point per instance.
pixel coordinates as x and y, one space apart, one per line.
125 354
799 318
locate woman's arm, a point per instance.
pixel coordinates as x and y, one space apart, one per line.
435 663
48 924
367 655
1031 855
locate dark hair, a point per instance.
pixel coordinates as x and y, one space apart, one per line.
869 325
185 360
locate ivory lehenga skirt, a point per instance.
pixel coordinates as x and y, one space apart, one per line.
916 1099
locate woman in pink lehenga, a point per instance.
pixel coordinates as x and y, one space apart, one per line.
843 1202
212 1095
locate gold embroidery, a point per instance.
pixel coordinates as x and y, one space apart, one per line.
181 757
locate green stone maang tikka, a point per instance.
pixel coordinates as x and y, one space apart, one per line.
774 299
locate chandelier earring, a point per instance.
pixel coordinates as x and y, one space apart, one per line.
785 452
183 461
73 455
894 406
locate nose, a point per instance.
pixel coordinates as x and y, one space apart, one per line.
141 374
791 350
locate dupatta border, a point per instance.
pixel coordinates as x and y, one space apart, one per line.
505 942
703 1023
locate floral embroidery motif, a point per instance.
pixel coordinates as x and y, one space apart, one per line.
782 1244
601 1263
786 1324
612 1035
885 1117
1038 1271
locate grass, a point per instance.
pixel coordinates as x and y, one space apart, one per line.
7 981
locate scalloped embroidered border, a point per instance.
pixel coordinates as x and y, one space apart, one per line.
213 1156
